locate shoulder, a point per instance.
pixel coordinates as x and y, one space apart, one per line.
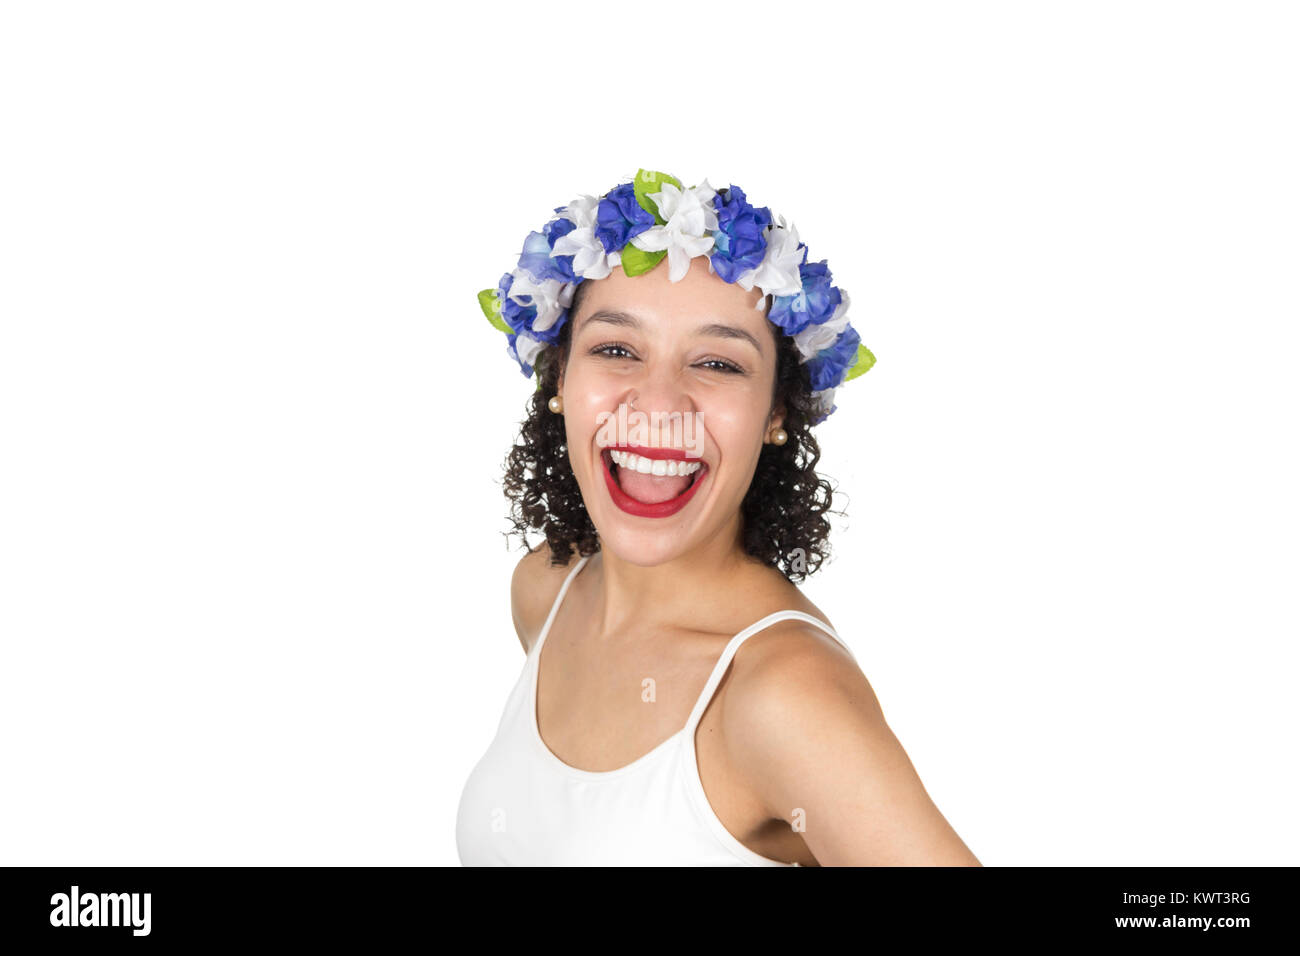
790 656
796 700
533 589
794 665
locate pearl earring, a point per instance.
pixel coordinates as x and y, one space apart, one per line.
556 404
779 437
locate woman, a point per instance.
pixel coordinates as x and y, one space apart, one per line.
682 703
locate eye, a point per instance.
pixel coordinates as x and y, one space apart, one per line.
610 350
722 365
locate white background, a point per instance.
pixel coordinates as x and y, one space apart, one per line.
253 586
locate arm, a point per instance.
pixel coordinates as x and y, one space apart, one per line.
806 731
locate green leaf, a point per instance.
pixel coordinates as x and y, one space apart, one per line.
648 181
861 364
490 303
636 261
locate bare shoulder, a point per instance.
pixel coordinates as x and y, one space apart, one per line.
533 588
795 669
793 657
803 728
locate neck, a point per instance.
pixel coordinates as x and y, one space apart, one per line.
685 591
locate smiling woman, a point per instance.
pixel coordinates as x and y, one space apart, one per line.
681 701
784 506
784 524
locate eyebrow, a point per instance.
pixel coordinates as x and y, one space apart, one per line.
716 329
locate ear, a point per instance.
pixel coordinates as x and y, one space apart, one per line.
776 419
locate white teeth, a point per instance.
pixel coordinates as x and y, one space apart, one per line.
653 466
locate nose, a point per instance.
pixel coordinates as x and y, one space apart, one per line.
660 395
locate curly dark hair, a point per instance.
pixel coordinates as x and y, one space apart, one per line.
783 511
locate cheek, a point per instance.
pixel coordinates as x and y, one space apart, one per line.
735 425
586 396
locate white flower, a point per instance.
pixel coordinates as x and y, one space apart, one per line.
778 273
528 348
814 338
590 261
689 223
550 296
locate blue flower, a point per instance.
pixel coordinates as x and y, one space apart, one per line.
557 227
521 317
738 243
516 316
813 304
828 367
619 217
536 256
563 265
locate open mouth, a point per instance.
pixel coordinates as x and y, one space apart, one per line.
656 484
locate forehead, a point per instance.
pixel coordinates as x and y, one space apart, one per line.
698 295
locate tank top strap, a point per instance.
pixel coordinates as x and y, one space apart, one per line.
728 652
555 606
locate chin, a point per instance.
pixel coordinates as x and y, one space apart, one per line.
646 549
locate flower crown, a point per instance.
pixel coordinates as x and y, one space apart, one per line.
634 225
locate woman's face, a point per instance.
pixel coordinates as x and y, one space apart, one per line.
698 352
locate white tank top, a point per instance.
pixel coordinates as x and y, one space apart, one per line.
523 806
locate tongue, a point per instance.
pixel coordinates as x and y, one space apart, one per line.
651 489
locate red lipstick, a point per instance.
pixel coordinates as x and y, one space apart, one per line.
641 509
